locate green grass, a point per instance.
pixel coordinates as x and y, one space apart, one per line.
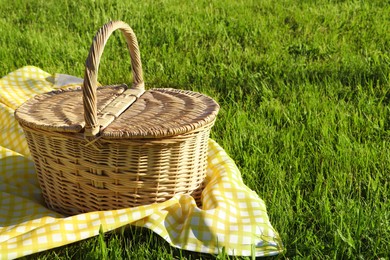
304 94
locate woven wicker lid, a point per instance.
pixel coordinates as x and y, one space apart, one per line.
118 111
156 113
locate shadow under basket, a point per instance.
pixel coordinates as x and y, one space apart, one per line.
129 148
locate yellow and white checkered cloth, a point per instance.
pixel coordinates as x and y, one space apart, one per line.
233 217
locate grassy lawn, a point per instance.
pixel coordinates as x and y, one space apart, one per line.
304 94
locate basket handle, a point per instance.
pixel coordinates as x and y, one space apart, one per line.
92 126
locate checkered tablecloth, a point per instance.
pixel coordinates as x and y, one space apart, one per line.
232 217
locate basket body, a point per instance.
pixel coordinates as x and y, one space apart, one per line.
76 178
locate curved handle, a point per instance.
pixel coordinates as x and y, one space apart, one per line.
92 127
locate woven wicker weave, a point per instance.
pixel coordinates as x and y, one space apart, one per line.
130 147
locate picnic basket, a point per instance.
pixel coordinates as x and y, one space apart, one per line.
111 147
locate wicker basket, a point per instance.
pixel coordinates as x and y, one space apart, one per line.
130 147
